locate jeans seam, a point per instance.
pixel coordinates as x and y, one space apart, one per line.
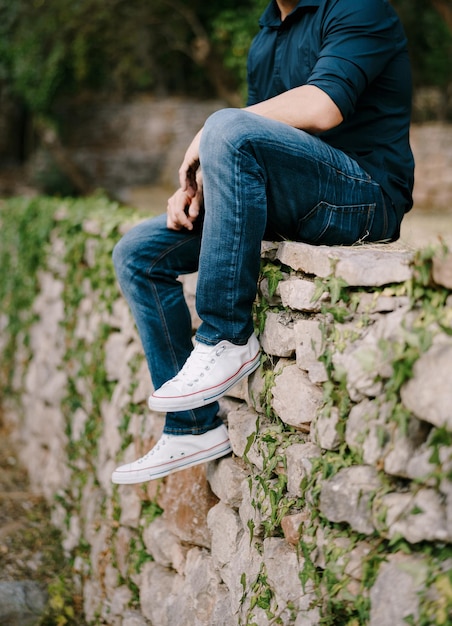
367 179
165 253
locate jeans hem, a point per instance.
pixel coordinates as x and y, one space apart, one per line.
214 342
192 431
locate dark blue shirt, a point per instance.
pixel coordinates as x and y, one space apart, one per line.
355 51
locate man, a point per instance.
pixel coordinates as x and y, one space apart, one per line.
320 154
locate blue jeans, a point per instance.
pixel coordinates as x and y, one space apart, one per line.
262 179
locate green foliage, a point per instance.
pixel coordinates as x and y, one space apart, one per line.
85 231
58 47
341 598
60 608
88 230
273 273
52 48
429 42
233 31
51 569
150 510
138 555
25 226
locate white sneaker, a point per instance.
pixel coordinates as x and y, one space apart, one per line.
173 453
208 373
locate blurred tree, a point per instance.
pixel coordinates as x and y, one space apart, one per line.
444 8
55 48
429 40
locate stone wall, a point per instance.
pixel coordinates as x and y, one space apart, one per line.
336 505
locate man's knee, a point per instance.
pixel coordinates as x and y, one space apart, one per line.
227 127
127 252
121 255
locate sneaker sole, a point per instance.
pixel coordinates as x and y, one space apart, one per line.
132 477
205 396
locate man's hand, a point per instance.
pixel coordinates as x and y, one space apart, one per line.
184 205
183 209
189 168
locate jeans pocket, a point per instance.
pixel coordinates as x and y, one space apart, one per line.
336 225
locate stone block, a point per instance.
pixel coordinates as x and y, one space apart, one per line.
309 347
225 479
405 443
347 558
417 517
134 618
278 337
200 599
366 362
353 559
295 399
395 595
92 593
119 599
368 265
442 270
253 507
346 497
299 465
372 303
142 384
255 390
44 448
243 424
121 548
186 501
429 392
269 250
226 529
121 319
246 560
368 430
283 567
419 466
22 603
372 431
359 365
292 526
116 363
325 431
46 383
165 548
156 587
298 294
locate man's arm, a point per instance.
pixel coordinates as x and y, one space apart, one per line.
307 108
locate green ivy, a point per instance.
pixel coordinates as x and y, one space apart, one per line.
25 226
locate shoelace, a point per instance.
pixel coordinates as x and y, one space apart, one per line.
161 442
199 362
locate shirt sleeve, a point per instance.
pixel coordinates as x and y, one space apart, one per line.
359 38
